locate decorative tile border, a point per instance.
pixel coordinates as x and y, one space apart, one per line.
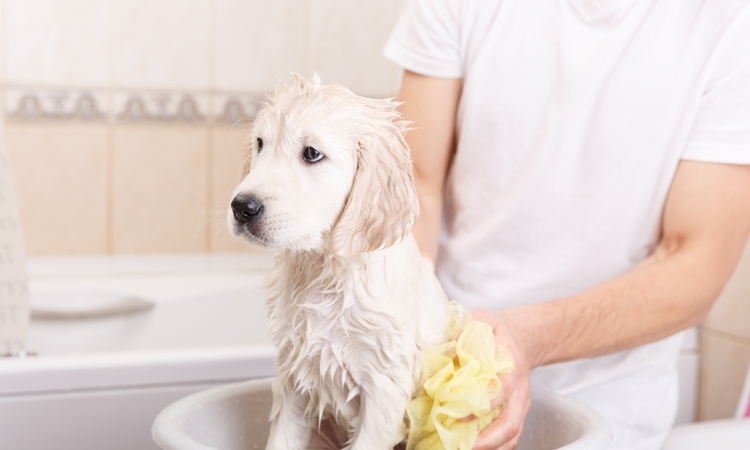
34 105
29 104
232 108
186 108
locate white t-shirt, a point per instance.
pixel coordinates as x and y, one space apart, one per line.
573 118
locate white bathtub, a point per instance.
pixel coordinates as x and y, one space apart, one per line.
99 383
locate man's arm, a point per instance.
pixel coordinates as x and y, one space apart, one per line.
705 226
430 103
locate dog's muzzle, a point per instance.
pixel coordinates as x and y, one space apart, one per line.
246 209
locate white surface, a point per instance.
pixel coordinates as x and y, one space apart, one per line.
688 366
715 434
235 417
107 377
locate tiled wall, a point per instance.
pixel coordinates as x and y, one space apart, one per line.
125 117
725 346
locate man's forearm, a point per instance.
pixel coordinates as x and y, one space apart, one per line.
426 230
659 297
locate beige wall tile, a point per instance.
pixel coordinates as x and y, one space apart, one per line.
162 44
53 42
724 364
258 41
731 313
159 198
60 173
347 40
228 160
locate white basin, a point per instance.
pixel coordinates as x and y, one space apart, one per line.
235 417
732 434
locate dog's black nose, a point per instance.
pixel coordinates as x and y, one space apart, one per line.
246 208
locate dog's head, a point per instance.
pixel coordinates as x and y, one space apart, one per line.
326 170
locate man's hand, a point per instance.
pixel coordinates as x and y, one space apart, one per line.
505 431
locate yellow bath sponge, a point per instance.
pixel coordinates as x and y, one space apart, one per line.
459 379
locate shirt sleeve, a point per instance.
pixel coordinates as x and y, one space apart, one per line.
426 39
721 131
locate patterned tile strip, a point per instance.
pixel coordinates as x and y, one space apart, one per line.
29 104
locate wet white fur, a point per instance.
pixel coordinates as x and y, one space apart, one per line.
351 303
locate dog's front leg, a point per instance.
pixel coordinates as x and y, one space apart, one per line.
290 428
382 408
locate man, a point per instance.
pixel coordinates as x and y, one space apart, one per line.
581 172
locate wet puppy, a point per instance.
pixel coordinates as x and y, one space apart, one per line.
352 305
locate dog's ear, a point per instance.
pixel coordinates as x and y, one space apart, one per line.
382 205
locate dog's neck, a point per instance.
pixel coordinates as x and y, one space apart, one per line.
304 272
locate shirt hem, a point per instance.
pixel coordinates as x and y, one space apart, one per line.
717 153
416 63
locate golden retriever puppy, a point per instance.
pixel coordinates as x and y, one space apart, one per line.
351 303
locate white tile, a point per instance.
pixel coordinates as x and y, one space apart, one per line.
162 44
347 40
60 43
258 41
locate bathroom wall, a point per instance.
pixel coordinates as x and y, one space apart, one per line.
725 347
126 118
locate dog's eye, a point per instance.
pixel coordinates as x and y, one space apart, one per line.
260 144
312 155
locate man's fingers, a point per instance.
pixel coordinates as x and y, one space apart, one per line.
505 431
507 381
499 433
506 392
511 445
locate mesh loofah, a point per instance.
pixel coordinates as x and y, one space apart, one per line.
459 379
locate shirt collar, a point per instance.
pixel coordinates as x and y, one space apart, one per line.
602 11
